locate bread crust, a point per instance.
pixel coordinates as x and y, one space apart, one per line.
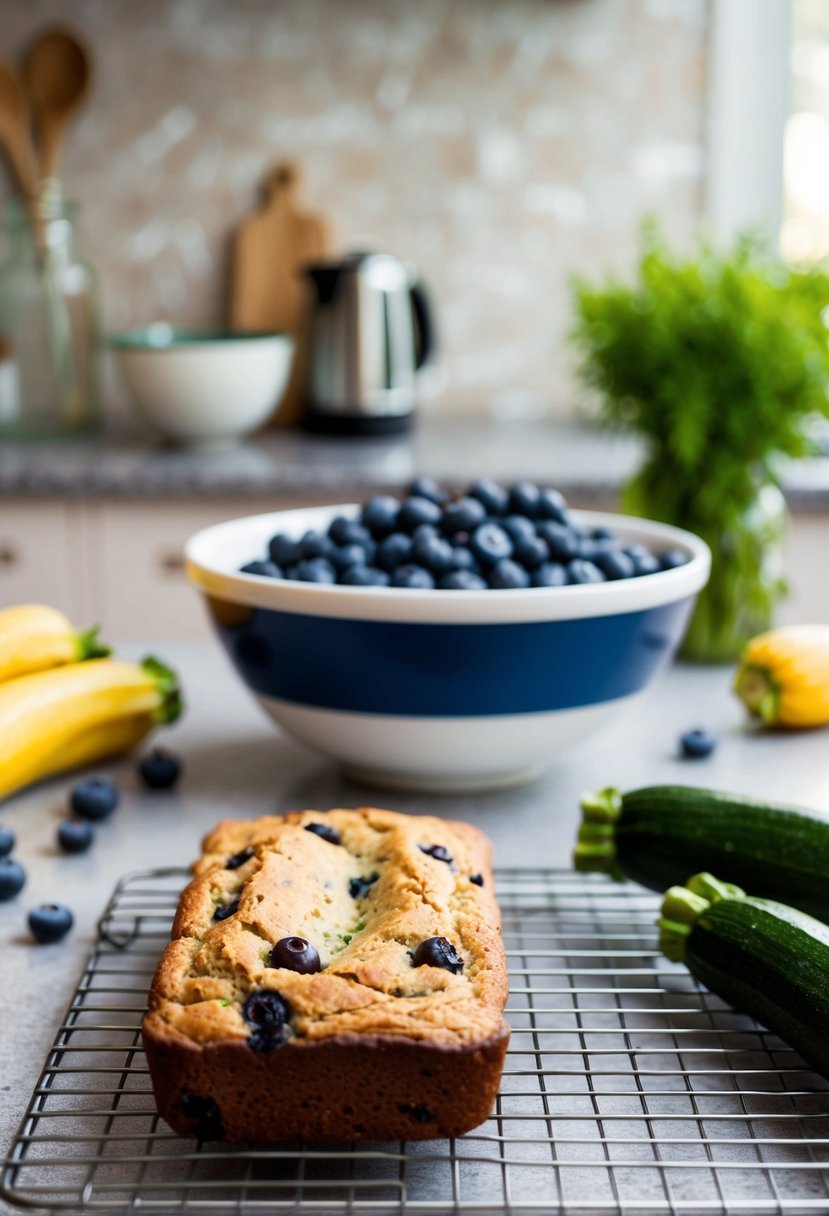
375 1048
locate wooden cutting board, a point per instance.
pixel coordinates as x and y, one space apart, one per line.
267 289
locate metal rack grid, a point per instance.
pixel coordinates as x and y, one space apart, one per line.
627 1089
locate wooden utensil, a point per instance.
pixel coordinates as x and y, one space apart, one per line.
57 72
14 131
267 290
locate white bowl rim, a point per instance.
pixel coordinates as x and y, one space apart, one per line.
214 554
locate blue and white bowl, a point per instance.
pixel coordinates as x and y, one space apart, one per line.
442 690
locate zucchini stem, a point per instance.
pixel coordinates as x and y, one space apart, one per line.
758 692
166 681
595 850
682 908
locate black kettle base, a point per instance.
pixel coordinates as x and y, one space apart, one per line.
357 424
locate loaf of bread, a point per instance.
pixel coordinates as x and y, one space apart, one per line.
332 976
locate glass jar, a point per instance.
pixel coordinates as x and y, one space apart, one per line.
48 326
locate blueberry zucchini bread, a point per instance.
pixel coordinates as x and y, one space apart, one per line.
334 976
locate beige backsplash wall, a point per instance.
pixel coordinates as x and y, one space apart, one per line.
498 144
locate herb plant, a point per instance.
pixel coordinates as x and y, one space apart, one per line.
717 360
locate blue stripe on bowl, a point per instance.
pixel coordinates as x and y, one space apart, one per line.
427 670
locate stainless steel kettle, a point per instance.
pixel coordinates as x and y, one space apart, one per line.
370 331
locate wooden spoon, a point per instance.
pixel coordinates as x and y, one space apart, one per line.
14 131
57 72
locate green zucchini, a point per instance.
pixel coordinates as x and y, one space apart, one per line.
659 835
764 958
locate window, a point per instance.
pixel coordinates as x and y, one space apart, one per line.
805 230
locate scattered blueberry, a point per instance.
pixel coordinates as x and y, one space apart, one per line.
94 798
345 531
426 487
296 954
12 878
314 544
7 842
323 830
477 879
394 551
379 514
552 505
75 835
284 551
697 744
50 922
463 515
494 498
265 569
507 575
581 571
551 574
159 769
437 952
530 551
358 888
462 580
316 570
671 558
223 911
437 851
517 527
364 576
490 544
616 564
239 859
564 544
412 576
434 553
416 511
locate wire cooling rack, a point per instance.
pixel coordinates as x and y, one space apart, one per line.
628 1089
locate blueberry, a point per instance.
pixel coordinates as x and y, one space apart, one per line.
160 769
564 544
364 576
602 533
379 514
550 574
412 576
591 548
314 544
525 499
7 842
581 571
358 888
349 532
697 744
477 879
417 1111
343 557
223 911
552 505
394 551
205 1116
426 487
283 550
95 798
616 564
463 515
239 859
634 549
267 1011
644 563
316 570
531 551
463 558
462 580
416 511
437 952
50 922
75 835
296 954
265 569
433 552
517 526
507 575
12 878
672 558
437 851
494 497
490 543
324 831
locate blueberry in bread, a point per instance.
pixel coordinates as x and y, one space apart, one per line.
332 976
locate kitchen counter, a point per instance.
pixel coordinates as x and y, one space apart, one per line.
237 765
586 464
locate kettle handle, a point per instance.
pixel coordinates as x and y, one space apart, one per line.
422 310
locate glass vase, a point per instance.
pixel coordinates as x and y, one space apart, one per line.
48 326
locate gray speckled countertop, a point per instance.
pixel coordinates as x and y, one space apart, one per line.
238 765
588 465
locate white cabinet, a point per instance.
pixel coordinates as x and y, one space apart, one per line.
41 555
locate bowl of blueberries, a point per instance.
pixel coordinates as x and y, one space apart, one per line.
447 641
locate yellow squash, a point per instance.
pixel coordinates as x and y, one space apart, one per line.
51 721
34 637
784 676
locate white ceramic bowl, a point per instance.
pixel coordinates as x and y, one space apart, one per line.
442 690
204 389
